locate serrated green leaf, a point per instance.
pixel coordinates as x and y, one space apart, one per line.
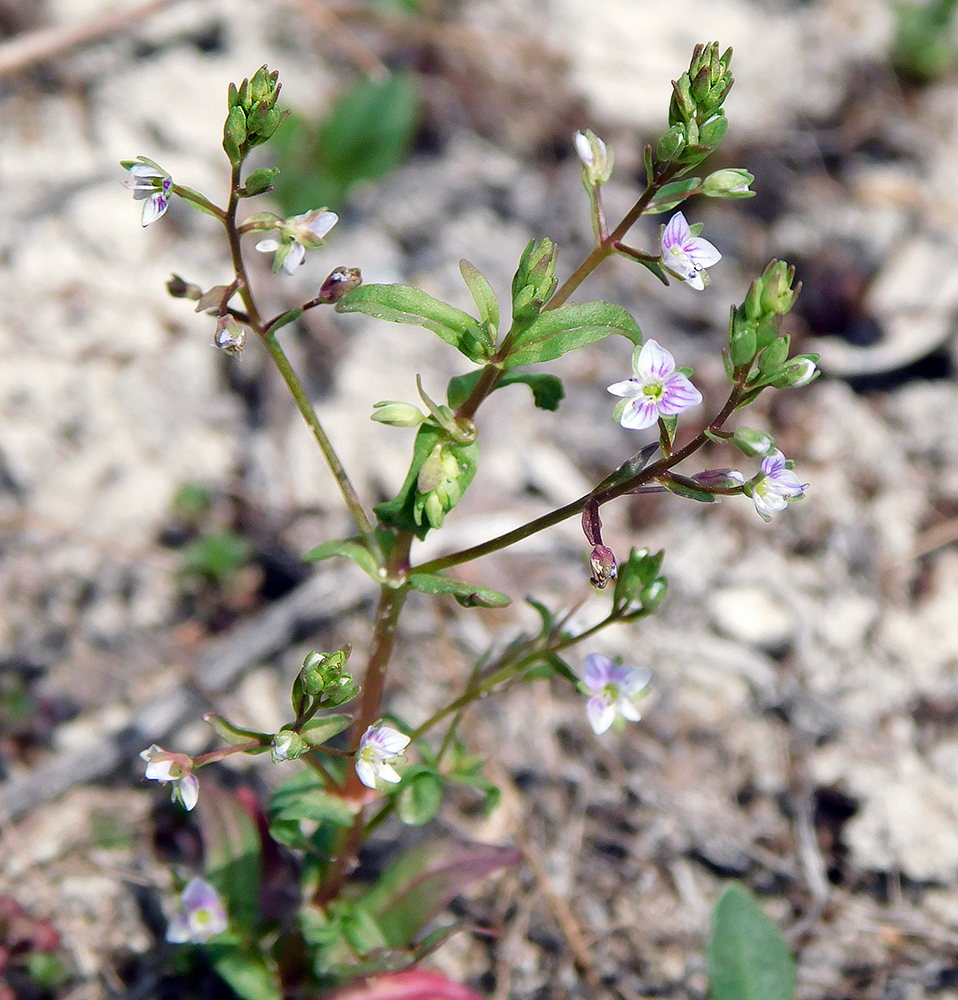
467 594
558 331
323 728
245 972
233 851
355 551
672 195
747 956
405 304
547 390
304 797
420 796
485 298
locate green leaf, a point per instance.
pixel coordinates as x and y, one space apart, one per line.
558 331
630 467
366 135
323 728
467 594
244 971
233 847
421 883
405 304
485 298
288 317
688 488
672 195
303 797
420 796
747 957
356 551
547 390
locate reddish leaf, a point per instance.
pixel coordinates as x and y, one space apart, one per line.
412 984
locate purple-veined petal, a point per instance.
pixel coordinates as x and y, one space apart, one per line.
629 387
678 394
654 363
639 413
596 671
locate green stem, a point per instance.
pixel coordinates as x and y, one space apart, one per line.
538 524
278 355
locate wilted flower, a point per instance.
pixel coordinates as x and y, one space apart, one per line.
378 745
297 235
613 688
602 566
775 487
229 336
656 389
685 254
148 181
175 769
201 914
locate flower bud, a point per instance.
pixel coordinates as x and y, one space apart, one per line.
774 356
720 478
713 131
339 283
798 372
287 745
777 292
729 183
596 158
397 414
653 593
755 444
260 180
179 288
603 567
671 144
742 343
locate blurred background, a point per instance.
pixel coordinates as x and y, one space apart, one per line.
156 496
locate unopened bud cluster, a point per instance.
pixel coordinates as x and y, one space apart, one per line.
534 281
325 678
253 116
696 119
438 489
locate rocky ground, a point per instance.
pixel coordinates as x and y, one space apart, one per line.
802 732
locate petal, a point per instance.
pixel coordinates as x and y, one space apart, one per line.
321 226
676 233
703 253
268 245
678 394
392 741
366 773
294 258
600 713
654 363
640 413
695 280
627 710
596 671
773 463
583 148
160 770
630 387
388 773
153 208
188 789
178 929
633 680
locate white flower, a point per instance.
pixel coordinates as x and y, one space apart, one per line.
201 914
656 389
775 487
379 745
613 688
148 181
297 235
687 256
175 769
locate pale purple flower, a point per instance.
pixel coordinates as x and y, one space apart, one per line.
201 914
775 487
613 688
379 745
148 181
175 769
686 255
297 235
656 389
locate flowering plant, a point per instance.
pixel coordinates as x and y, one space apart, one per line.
354 756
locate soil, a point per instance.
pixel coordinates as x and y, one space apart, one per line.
801 735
